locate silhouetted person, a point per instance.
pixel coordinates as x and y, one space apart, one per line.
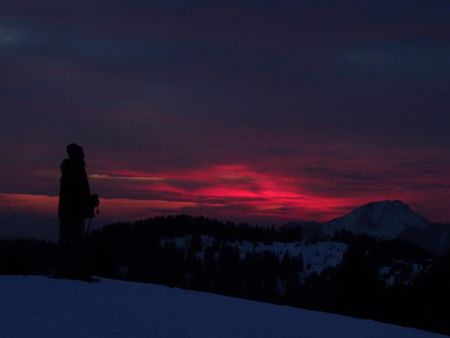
75 205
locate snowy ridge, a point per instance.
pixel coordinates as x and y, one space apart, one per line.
386 219
41 307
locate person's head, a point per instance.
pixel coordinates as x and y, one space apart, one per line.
75 152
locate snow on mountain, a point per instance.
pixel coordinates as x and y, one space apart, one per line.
386 219
41 307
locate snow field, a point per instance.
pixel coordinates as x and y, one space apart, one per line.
40 307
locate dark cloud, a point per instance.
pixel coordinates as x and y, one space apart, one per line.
317 89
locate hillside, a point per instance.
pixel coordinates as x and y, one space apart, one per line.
43 307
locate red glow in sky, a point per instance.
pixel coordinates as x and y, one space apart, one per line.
233 191
281 115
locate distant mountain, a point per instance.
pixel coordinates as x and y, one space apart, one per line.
393 220
385 219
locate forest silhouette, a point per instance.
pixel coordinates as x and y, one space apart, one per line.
146 251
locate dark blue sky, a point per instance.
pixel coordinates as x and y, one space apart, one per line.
258 110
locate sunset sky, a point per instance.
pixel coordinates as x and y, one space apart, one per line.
260 111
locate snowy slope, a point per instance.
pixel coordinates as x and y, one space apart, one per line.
42 307
316 256
386 219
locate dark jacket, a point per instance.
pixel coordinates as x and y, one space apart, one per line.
74 193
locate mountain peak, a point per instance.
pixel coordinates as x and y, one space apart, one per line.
390 203
384 219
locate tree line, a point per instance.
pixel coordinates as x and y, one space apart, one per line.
141 251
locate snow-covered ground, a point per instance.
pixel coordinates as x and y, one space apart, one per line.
400 272
33 306
316 257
